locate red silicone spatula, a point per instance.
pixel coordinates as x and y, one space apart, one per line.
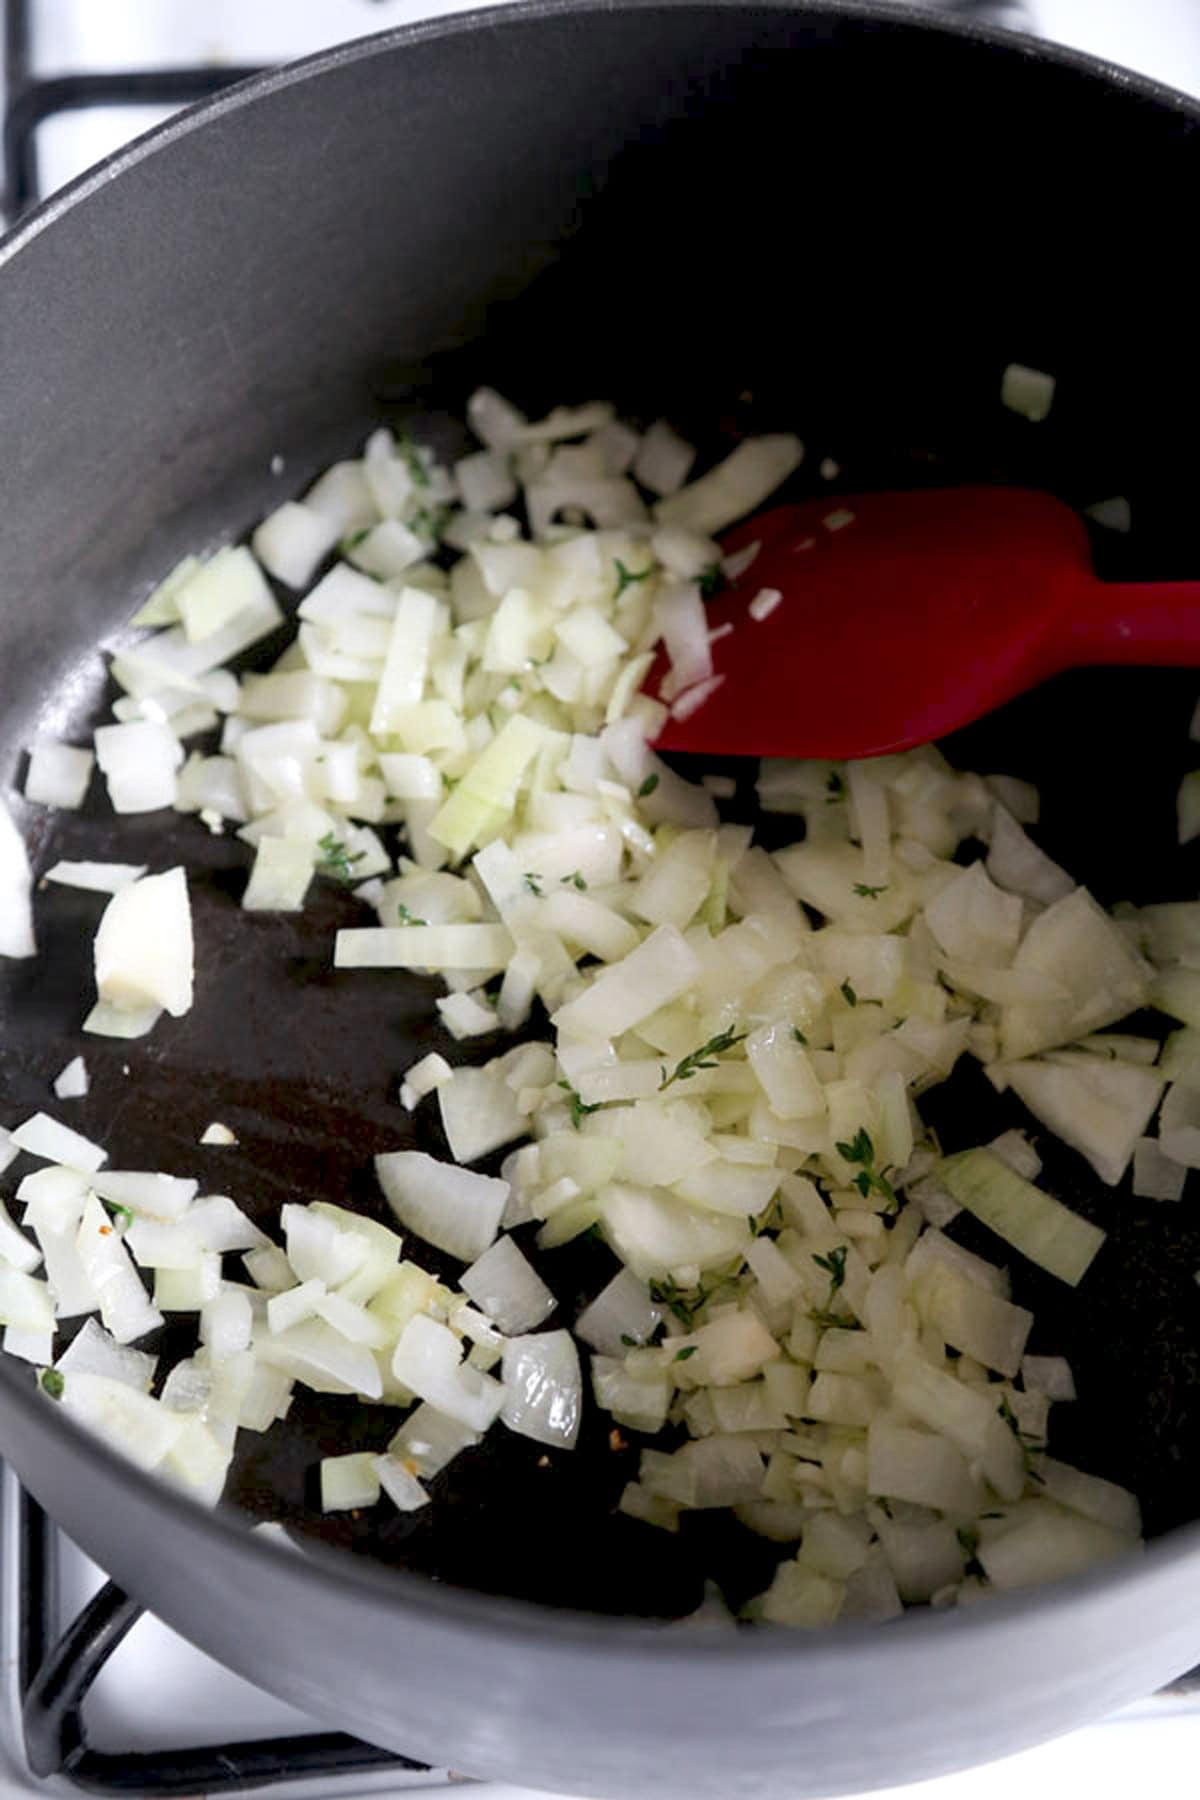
916 615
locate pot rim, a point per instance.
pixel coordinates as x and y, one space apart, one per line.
337 1577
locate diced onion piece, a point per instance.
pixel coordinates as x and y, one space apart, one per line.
143 951
323 1360
1100 1108
453 1209
1015 862
1075 944
349 1482
100 878
141 1428
399 1484
544 1400
1046 1545
125 1307
216 1133
423 947
432 1071
1027 391
279 880
161 606
621 1315
747 477
139 762
479 1113
428 1361
624 993
227 586
486 795
764 604
145 1191
58 775
663 460
291 541
428 1440
45 1137
1049 1375
16 886
508 1289
1034 1223
71 1083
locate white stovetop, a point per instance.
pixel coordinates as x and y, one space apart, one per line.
154 1676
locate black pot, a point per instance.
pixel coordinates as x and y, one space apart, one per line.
853 216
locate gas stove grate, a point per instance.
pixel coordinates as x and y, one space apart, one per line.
30 99
55 1677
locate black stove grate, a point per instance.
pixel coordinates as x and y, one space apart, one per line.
30 99
55 1677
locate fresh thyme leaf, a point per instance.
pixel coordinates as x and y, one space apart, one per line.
430 521
703 1058
627 577
118 1212
835 788
335 859
682 1355
648 786
631 1342
848 993
406 445
860 1149
711 581
799 1036
53 1383
684 1303
533 882
576 881
869 893
1030 1446
404 917
580 1108
834 1266
831 1321
353 539
869 1179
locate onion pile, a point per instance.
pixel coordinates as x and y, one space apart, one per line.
733 1048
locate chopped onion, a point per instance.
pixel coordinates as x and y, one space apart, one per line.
100 878
451 1208
143 951
1040 1227
58 775
508 1289
1029 392
71 1083
16 886
544 1398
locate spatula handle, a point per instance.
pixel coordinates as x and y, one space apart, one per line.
1147 622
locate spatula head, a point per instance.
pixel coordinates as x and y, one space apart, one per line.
903 616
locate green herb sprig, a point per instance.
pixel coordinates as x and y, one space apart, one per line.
869 1179
335 860
406 446
627 577
703 1058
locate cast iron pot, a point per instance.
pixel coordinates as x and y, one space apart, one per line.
836 218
